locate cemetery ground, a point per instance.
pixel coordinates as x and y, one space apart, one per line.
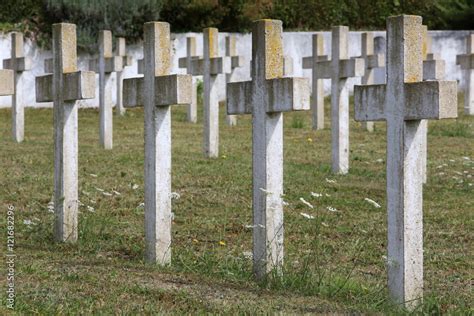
334 252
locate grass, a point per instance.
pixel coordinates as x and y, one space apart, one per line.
333 263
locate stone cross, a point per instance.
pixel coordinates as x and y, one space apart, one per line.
372 61
105 65
317 98
64 87
18 63
433 69
210 66
157 91
185 62
466 62
120 50
339 69
236 61
266 97
403 102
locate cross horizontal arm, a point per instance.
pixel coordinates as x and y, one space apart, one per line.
78 85
433 69
219 65
324 70
112 64
169 90
237 61
369 102
423 100
6 82
21 64
375 61
287 94
183 61
465 61
308 61
354 67
239 97
48 65
431 100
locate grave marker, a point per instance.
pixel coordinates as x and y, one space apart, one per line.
185 62
126 61
157 91
317 100
18 63
339 69
403 102
105 65
64 87
266 97
236 61
372 61
466 61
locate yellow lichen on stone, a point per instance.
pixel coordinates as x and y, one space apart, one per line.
273 49
67 45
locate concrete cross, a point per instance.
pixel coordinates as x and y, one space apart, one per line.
64 87
105 65
18 63
372 61
210 66
433 69
185 62
403 102
317 98
466 61
339 69
157 91
120 50
236 61
266 97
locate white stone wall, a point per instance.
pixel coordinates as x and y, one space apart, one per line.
296 45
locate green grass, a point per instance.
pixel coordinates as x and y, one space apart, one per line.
333 263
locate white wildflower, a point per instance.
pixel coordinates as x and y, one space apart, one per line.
317 195
379 160
90 209
331 209
175 196
466 158
134 186
27 222
377 205
141 205
330 180
248 255
307 216
306 203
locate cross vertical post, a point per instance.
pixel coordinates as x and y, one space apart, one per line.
317 99
404 102
372 61
236 61
105 91
18 63
266 97
64 87
126 61
157 91
466 61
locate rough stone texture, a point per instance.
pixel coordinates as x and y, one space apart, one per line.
466 62
64 87
258 97
317 100
7 87
156 91
236 61
120 51
105 91
339 69
403 102
372 61
18 63
185 62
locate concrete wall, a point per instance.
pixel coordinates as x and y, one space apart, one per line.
296 45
